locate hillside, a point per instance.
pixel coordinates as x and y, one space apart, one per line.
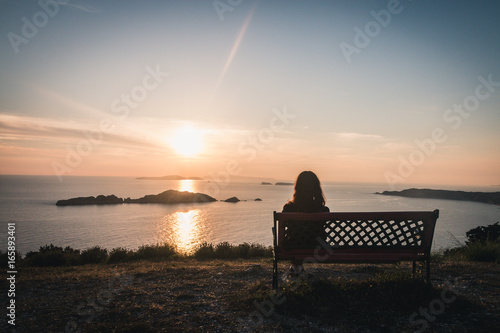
484 197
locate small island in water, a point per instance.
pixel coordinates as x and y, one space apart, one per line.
166 197
484 197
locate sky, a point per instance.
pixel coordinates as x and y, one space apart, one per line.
394 92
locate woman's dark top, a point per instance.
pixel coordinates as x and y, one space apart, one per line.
303 235
292 207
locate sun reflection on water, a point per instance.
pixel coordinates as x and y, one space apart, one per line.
186 185
182 230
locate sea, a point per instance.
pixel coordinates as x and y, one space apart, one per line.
28 204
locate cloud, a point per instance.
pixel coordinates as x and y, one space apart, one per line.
17 129
397 146
356 136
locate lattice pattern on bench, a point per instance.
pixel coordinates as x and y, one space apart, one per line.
354 233
354 237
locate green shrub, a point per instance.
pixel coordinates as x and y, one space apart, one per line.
224 250
488 251
50 255
154 252
204 251
483 234
247 250
483 245
119 254
94 255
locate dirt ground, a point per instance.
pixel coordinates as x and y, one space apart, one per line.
230 296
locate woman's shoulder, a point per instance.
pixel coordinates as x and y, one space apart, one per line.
290 206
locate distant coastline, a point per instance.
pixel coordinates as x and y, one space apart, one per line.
483 197
278 183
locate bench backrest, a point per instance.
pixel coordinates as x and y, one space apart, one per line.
407 231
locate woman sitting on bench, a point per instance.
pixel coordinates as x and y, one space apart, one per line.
307 198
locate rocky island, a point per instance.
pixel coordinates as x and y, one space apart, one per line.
232 199
99 200
484 197
166 197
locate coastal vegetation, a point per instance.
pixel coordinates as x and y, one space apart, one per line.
482 245
51 255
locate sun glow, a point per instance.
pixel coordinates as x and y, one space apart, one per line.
187 141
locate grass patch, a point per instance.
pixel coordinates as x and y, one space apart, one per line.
226 250
482 245
50 255
488 251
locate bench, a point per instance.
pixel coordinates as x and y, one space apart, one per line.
354 237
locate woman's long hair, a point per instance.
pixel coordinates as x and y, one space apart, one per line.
308 193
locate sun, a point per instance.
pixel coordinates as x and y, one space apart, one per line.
187 141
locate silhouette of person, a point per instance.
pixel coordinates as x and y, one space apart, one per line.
307 198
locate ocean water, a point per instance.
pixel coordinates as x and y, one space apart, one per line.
29 202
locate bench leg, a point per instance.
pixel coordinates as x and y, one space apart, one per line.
428 271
